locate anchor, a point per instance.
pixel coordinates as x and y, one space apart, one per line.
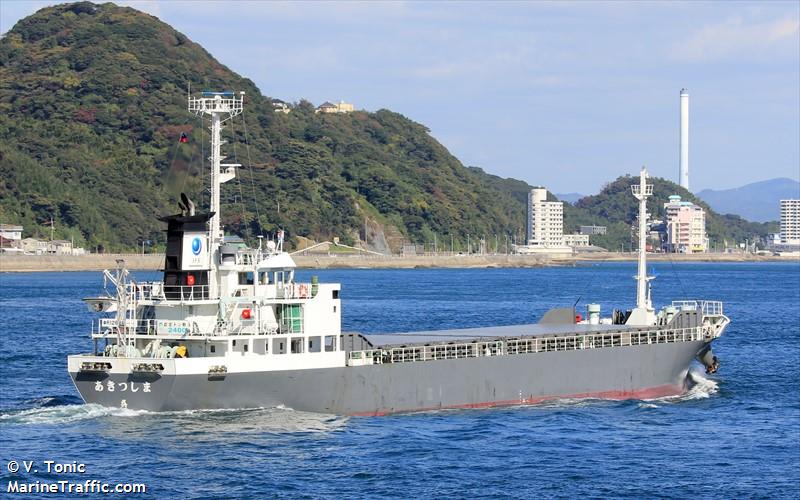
709 360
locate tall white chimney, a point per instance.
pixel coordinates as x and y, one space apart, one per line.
683 172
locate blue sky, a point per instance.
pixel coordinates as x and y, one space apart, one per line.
565 95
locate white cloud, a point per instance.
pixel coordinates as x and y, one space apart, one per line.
737 38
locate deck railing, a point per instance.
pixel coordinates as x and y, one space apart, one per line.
157 290
508 347
707 307
109 328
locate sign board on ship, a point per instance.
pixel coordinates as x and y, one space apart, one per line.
195 252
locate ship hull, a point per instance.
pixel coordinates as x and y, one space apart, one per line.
630 372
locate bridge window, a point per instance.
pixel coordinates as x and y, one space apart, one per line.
279 346
314 344
246 278
297 345
330 343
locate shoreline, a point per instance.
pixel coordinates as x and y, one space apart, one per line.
154 262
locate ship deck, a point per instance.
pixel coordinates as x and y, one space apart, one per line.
383 340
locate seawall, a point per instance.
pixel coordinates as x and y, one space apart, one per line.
90 262
97 262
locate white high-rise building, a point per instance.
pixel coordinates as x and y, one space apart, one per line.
790 222
686 226
545 222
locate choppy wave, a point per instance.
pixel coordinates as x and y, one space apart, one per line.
54 410
702 387
46 401
277 419
61 414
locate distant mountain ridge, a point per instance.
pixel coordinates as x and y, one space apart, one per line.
758 201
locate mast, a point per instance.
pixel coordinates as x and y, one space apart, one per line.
216 160
221 107
642 191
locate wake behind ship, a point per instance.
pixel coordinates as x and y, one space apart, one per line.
229 327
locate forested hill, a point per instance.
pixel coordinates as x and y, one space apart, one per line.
615 207
93 102
92 106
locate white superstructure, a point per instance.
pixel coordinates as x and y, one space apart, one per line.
221 307
790 222
683 168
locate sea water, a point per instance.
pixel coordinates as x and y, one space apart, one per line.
735 434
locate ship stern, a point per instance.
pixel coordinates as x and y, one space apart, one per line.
135 383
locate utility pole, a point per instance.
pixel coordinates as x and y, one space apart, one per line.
52 228
468 245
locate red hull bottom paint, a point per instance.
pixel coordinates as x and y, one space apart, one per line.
649 393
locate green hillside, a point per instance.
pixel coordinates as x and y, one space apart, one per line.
92 106
93 102
616 207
